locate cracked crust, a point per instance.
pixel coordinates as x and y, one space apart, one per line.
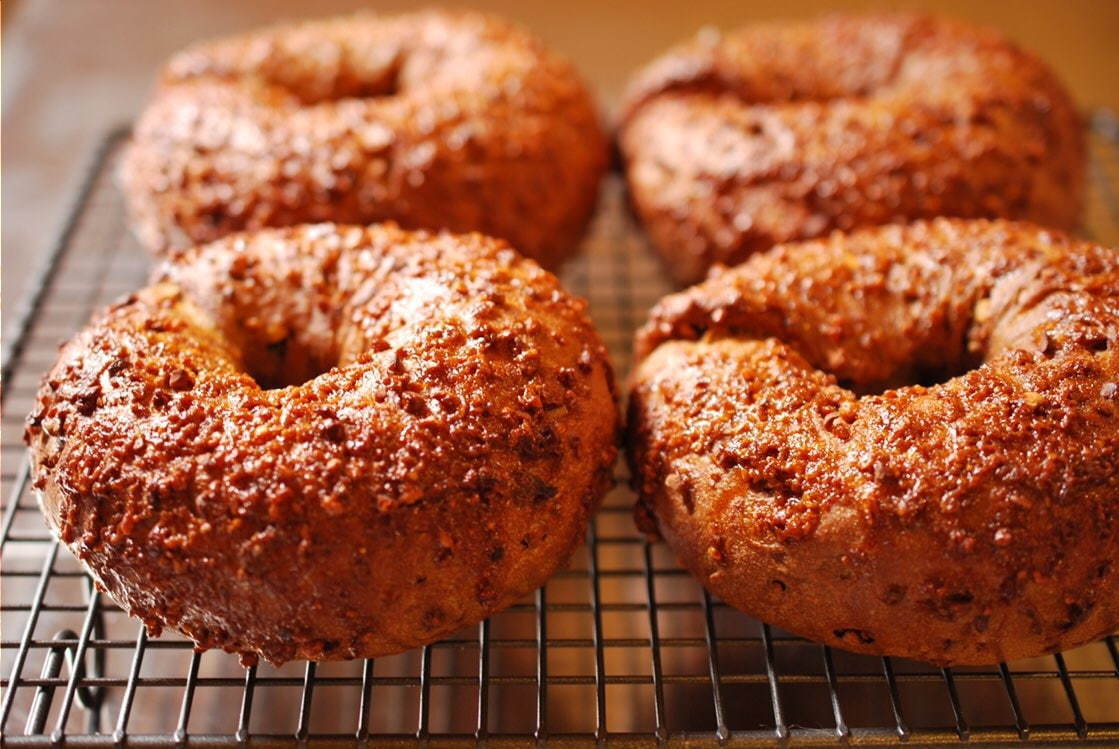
442 465
787 131
436 120
970 521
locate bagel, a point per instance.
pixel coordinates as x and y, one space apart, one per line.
971 519
787 131
327 442
436 120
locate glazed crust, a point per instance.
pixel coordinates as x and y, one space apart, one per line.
456 428
437 119
786 131
970 521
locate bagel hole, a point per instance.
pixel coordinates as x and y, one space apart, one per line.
388 84
940 360
923 375
376 84
285 363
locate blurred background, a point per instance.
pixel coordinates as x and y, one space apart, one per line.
72 69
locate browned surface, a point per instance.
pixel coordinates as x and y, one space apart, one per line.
434 120
445 466
971 521
621 280
73 69
785 131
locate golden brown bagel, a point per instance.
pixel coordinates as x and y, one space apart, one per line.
966 522
786 131
441 423
435 119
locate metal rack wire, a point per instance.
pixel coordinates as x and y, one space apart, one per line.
623 648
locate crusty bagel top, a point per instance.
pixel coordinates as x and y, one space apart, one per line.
858 58
892 305
312 435
401 61
1024 322
970 518
438 346
781 131
434 119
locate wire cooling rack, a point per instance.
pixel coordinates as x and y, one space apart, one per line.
622 648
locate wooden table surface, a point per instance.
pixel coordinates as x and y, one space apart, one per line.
74 68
